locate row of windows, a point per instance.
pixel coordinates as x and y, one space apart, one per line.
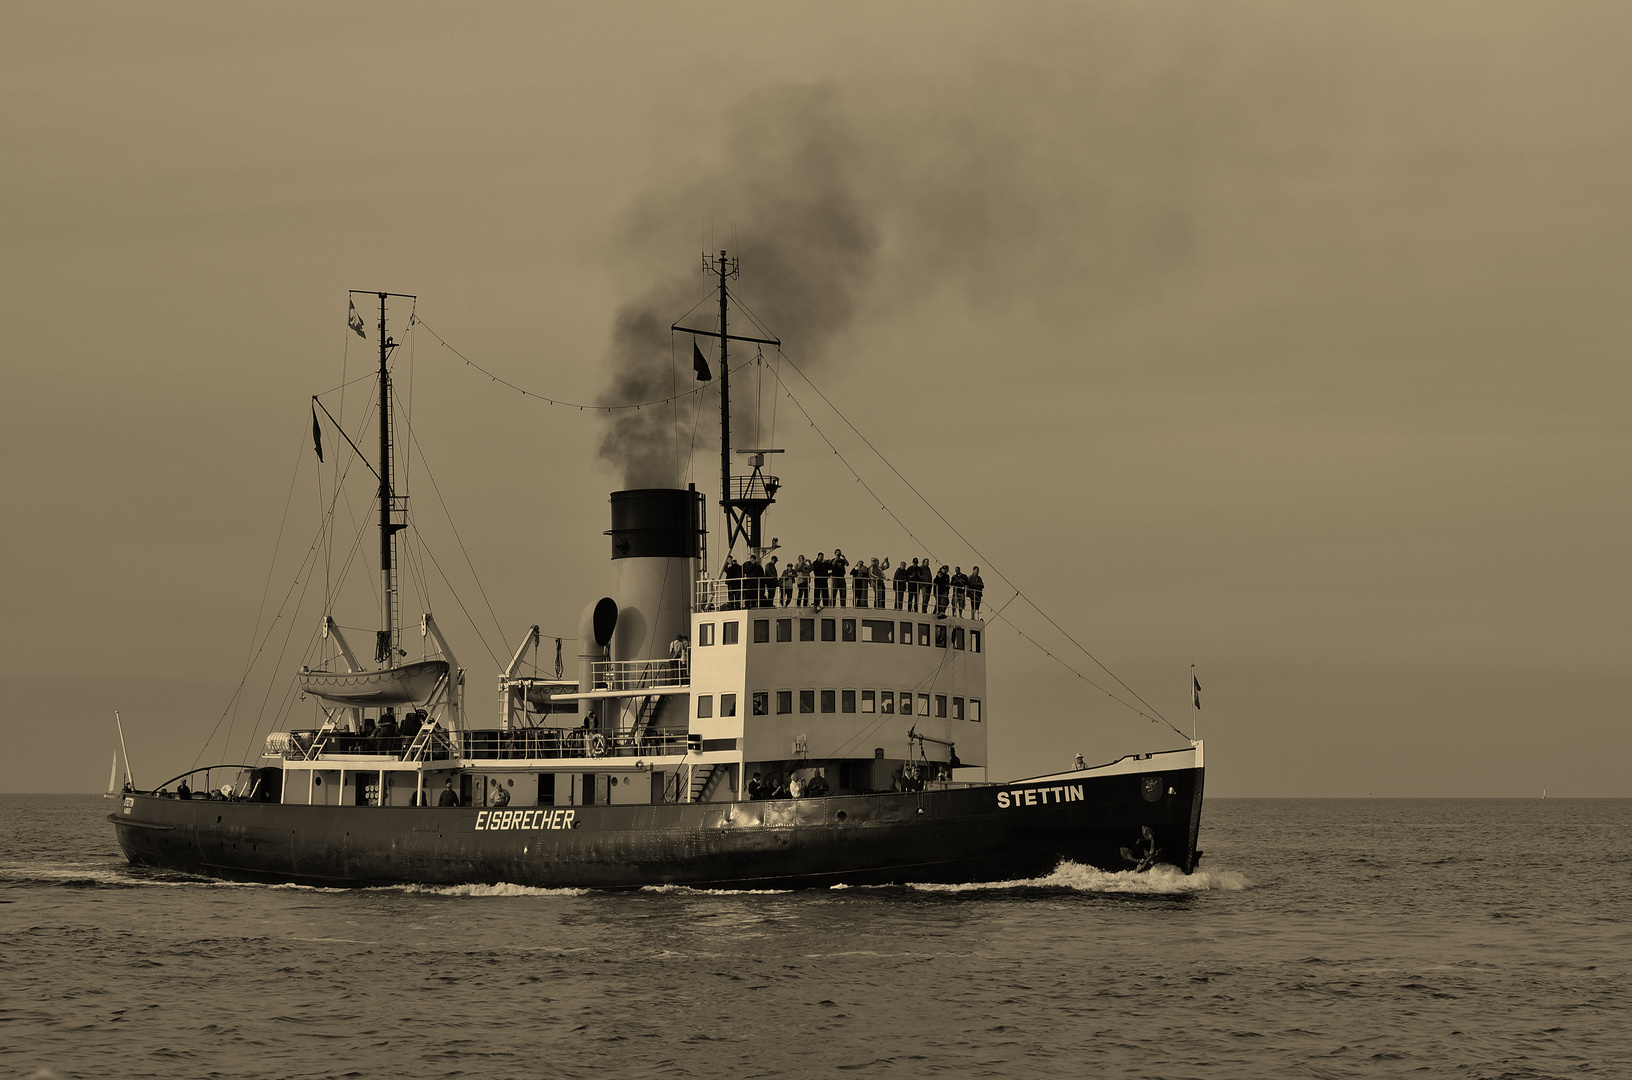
848 701
879 631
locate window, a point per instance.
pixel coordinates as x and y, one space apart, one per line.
728 702
762 702
849 630
957 708
923 704
906 703
957 637
829 628
784 701
940 706
974 709
784 629
974 640
878 630
923 633
728 633
705 633
829 700
807 629
762 630
807 701
868 702
705 706
847 701
906 633
886 701
940 635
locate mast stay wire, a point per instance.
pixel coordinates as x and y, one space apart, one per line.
1153 714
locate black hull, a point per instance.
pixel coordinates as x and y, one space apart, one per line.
959 835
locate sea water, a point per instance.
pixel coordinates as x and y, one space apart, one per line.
1322 938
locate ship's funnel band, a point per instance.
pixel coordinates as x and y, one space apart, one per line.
655 523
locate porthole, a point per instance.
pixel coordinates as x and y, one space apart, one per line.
840 815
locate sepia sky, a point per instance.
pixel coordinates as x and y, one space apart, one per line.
1289 340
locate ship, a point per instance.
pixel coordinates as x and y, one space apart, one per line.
720 731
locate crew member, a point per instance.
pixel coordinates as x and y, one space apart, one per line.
449 796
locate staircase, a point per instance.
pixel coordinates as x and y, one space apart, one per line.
422 742
706 780
643 718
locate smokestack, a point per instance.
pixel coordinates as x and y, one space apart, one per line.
656 541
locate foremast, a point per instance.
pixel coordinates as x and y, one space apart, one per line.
386 647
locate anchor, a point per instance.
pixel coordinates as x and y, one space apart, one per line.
1144 855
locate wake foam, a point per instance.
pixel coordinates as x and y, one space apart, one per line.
1161 880
501 889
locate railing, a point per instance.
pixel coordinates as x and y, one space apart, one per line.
304 745
736 594
567 743
755 486
640 674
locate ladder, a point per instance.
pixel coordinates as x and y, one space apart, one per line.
643 718
423 740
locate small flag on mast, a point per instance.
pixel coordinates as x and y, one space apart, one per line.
1195 694
317 435
355 321
699 365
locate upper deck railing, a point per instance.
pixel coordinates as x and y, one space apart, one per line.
735 594
640 674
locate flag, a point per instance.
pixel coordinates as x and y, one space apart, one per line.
699 364
355 321
317 434
1196 693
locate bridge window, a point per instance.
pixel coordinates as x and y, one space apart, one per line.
923 633
728 703
906 633
974 640
848 630
878 630
784 629
940 635
923 704
940 706
762 630
807 629
829 700
784 701
886 701
762 702
957 708
705 633
847 701
868 701
807 701
974 709
906 703
829 629
957 637
705 706
728 633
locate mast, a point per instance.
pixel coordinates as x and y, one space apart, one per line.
725 270
742 510
386 639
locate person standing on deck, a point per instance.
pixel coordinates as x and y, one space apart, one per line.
879 574
977 589
840 565
943 590
733 582
802 570
787 585
820 569
449 797
862 576
752 572
960 585
767 584
900 579
925 578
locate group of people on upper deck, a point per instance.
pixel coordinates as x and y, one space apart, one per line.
832 582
